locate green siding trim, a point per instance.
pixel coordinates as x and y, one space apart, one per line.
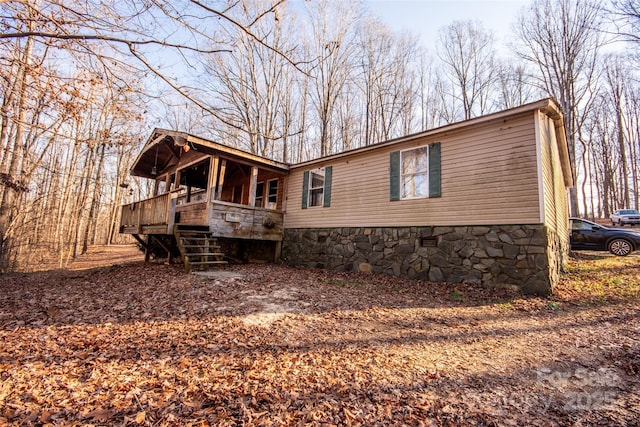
434 170
394 175
305 189
328 171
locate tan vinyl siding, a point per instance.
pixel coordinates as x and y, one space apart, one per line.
556 208
489 176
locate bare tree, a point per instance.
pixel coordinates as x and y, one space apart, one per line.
332 42
429 86
388 81
13 156
114 44
466 50
633 108
513 86
616 80
626 14
562 39
250 85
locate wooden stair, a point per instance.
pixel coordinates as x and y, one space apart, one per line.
198 249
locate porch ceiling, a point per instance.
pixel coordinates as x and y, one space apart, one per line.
160 152
164 149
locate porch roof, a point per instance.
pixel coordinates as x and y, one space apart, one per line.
165 147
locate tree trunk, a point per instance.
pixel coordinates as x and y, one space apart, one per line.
10 192
92 218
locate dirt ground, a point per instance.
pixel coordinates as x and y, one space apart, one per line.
147 344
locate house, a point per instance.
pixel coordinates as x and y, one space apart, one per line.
479 201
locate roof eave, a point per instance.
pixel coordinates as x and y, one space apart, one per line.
543 104
553 112
180 139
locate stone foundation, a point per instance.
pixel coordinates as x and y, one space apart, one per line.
528 256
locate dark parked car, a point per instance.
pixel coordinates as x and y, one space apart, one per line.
591 236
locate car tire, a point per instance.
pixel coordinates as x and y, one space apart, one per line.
620 247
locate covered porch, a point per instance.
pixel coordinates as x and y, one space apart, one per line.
237 195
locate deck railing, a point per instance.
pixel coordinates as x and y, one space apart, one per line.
153 211
231 220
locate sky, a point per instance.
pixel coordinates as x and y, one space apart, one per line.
426 17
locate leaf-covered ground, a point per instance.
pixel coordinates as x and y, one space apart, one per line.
146 344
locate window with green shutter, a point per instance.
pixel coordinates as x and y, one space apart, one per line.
328 171
394 176
305 190
316 187
434 170
415 173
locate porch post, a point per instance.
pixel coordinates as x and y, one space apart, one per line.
177 183
147 248
213 178
139 220
223 169
253 184
278 251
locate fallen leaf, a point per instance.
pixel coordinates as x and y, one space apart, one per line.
140 417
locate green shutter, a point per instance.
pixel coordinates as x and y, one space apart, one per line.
394 175
327 186
305 189
434 170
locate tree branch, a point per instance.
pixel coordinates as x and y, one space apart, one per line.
100 37
245 29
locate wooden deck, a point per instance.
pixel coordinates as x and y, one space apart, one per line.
159 214
150 216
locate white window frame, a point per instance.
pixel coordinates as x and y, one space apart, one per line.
271 204
259 198
414 174
319 172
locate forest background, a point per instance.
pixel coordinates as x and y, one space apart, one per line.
82 84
